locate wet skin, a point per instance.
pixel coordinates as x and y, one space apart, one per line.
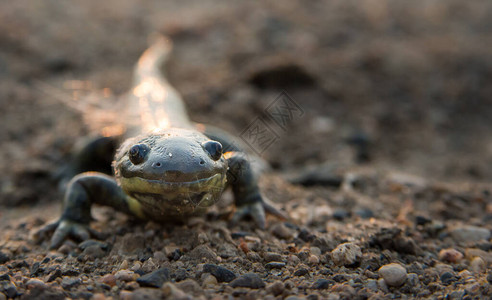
167 168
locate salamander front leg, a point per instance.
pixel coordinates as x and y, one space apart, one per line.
249 201
84 190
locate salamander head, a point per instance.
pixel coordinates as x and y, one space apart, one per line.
175 168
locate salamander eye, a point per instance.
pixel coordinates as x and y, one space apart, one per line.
214 149
137 153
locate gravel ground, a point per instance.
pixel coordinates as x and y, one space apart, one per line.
385 175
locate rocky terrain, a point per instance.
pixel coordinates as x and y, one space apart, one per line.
383 167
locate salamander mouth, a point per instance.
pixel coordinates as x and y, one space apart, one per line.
178 197
158 186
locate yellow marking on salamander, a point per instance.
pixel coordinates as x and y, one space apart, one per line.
135 207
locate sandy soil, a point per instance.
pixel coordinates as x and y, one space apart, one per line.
393 110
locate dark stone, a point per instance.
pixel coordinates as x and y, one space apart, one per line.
5 277
35 268
249 280
340 214
364 213
180 275
154 279
312 297
275 265
144 255
8 288
20 264
222 274
421 220
140 272
489 277
393 239
175 255
322 284
272 256
447 278
323 244
326 272
239 234
45 260
81 295
58 64
287 75
323 175
301 272
340 278
4 258
70 272
44 294
361 142
70 282
306 235
57 273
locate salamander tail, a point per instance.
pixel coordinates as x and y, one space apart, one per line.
152 59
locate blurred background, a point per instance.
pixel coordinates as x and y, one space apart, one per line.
391 85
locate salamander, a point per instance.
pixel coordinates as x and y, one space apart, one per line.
166 169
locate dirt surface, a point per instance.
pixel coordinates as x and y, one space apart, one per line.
383 163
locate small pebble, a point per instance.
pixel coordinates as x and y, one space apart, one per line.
4 257
159 256
67 247
209 281
70 282
125 275
275 265
34 283
222 274
249 280
301 272
393 274
136 266
276 288
470 234
202 252
382 285
372 285
472 288
99 296
346 254
173 292
124 265
489 277
447 278
315 250
364 213
478 265
272 256
155 279
413 279
148 265
422 220
313 259
190 286
470 253
450 255
340 214
109 279
321 284
282 232
293 260
253 256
